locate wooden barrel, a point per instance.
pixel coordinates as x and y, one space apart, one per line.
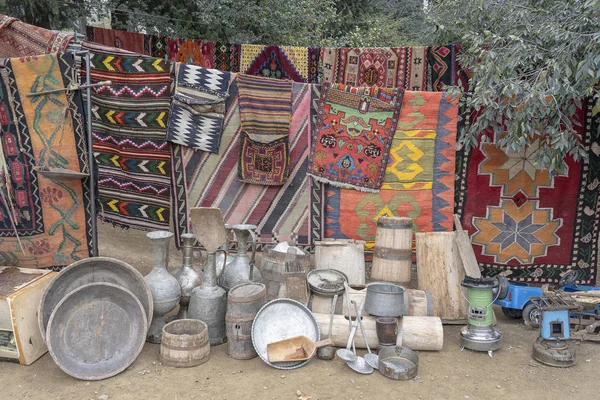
243 302
392 256
184 343
345 255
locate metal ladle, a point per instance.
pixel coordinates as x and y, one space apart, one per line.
347 354
360 364
371 358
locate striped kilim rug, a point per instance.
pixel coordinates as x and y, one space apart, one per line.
129 119
211 180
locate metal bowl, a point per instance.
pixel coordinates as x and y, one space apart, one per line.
96 331
398 363
90 270
282 319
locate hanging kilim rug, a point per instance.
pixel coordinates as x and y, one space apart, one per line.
198 107
51 215
129 119
264 163
18 39
211 180
285 62
419 179
352 139
265 105
525 223
131 41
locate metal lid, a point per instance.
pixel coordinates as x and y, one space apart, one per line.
479 283
327 282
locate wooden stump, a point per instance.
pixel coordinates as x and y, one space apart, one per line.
440 271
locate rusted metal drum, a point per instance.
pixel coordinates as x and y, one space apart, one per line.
184 343
243 302
392 256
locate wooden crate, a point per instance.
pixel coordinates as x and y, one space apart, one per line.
20 293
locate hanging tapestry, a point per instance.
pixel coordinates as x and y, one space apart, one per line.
265 105
317 189
444 69
18 39
211 180
419 179
223 56
198 107
391 67
156 46
527 224
264 163
189 52
25 204
328 65
313 64
279 62
352 139
129 119
50 129
131 41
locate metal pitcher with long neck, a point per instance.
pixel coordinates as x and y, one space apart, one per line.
188 276
242 269
208 302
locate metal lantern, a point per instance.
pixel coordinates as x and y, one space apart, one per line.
480 334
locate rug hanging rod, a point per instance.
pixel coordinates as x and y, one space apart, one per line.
71 87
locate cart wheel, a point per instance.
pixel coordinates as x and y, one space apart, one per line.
512 313
531 316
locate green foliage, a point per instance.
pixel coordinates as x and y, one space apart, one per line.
297 22
533 61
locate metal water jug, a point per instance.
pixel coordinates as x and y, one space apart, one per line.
164 287
220 257
208 302
187 275
243 268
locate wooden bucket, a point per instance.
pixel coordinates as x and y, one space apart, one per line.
184 343
392 256
243 302
345 255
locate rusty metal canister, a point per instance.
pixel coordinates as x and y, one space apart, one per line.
243 303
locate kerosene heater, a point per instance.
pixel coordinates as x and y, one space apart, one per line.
480 334
554 346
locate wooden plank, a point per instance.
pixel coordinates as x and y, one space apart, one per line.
465 249
440 271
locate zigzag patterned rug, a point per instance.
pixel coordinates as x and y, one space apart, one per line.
129 120
210 180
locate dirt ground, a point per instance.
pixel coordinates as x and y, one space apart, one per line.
448 374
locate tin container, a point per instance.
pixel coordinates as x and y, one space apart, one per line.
385 299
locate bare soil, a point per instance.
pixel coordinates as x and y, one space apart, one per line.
448 374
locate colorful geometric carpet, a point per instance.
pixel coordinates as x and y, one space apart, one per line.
18 39
129 119
391 67
351 141
264 163
51 130
419 179
198 107
211 180
279 62
131 41
444 69
525 223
